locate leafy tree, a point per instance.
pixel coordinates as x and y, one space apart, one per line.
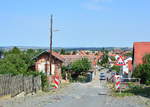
66 72
142 71
104 62
116 68
16 60
74 53
15 50
130 54
81 66
146 59
62 51
112 58
1 53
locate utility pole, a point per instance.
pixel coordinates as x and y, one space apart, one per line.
51 37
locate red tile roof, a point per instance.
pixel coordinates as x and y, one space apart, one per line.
71 58
57 55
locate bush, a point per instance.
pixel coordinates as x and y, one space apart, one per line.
116 68
143 72
81 78
77 68
17 62
146 59
66 70
81 66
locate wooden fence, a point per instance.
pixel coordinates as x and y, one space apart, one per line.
14 85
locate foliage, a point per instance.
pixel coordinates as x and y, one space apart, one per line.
62 52
17 62
44 80
74 53
134 90
82 65
146 59
112 58
65 70
104 62
82 78
143 71
77 70
116 68
130 54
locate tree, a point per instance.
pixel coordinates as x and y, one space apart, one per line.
74 53
81 66
1 53
112 58
116 68
104 61
146 59
15 50
142 71
62 51
17 61
130 54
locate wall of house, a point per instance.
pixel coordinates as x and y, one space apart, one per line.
43 65
140 49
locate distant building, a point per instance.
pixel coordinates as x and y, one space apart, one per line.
140 49
127 68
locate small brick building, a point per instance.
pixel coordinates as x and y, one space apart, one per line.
139 50
42 63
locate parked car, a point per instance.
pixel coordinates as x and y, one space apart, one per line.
102 76
109 70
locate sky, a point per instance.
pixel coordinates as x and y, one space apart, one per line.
81 23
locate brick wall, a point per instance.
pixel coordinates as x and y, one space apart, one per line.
140 49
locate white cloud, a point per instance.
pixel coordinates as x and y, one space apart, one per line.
96 5
93 7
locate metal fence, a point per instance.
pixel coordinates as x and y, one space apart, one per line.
129 82
14 85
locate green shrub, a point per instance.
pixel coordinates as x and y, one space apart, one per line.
143 72
116 68
81 78
80 66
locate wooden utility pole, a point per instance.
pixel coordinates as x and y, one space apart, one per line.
51 37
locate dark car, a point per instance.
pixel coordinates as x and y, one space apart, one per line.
108 71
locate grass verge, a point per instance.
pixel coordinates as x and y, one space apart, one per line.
130 91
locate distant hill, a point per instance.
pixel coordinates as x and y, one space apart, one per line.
66 48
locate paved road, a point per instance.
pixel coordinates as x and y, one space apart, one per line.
93 94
